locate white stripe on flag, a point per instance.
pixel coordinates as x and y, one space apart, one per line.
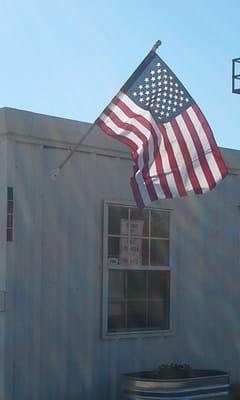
192 152
179 157
205 143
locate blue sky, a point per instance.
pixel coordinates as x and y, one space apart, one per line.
69 58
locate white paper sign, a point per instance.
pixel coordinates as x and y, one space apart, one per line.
133 255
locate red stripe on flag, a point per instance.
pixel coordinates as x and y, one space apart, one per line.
200 150
173 163
123 139
187 158
156 154
145 171
215 150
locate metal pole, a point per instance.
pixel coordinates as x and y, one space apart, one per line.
156 46
54 173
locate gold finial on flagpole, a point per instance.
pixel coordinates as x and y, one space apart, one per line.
157 44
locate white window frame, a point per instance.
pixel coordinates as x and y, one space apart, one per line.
136 333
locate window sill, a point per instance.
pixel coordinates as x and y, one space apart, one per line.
137 334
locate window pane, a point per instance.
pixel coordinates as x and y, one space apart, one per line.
139 251
136 314
116 316
159 254
113 250
123 251
135 249
115 214
158 314
137 254
158 285
116 285
160 224
136 284
139 222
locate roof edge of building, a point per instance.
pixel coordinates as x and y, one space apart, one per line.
52 129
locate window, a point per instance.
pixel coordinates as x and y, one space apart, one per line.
136 269
9 214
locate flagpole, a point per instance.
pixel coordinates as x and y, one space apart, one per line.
156 45
54 173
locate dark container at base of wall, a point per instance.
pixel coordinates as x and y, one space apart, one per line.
150 385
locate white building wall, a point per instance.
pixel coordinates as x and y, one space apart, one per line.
54 349
208 279
3 220
56 280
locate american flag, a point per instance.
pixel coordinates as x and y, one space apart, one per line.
173 148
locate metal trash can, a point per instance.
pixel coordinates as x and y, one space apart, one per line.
202 384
